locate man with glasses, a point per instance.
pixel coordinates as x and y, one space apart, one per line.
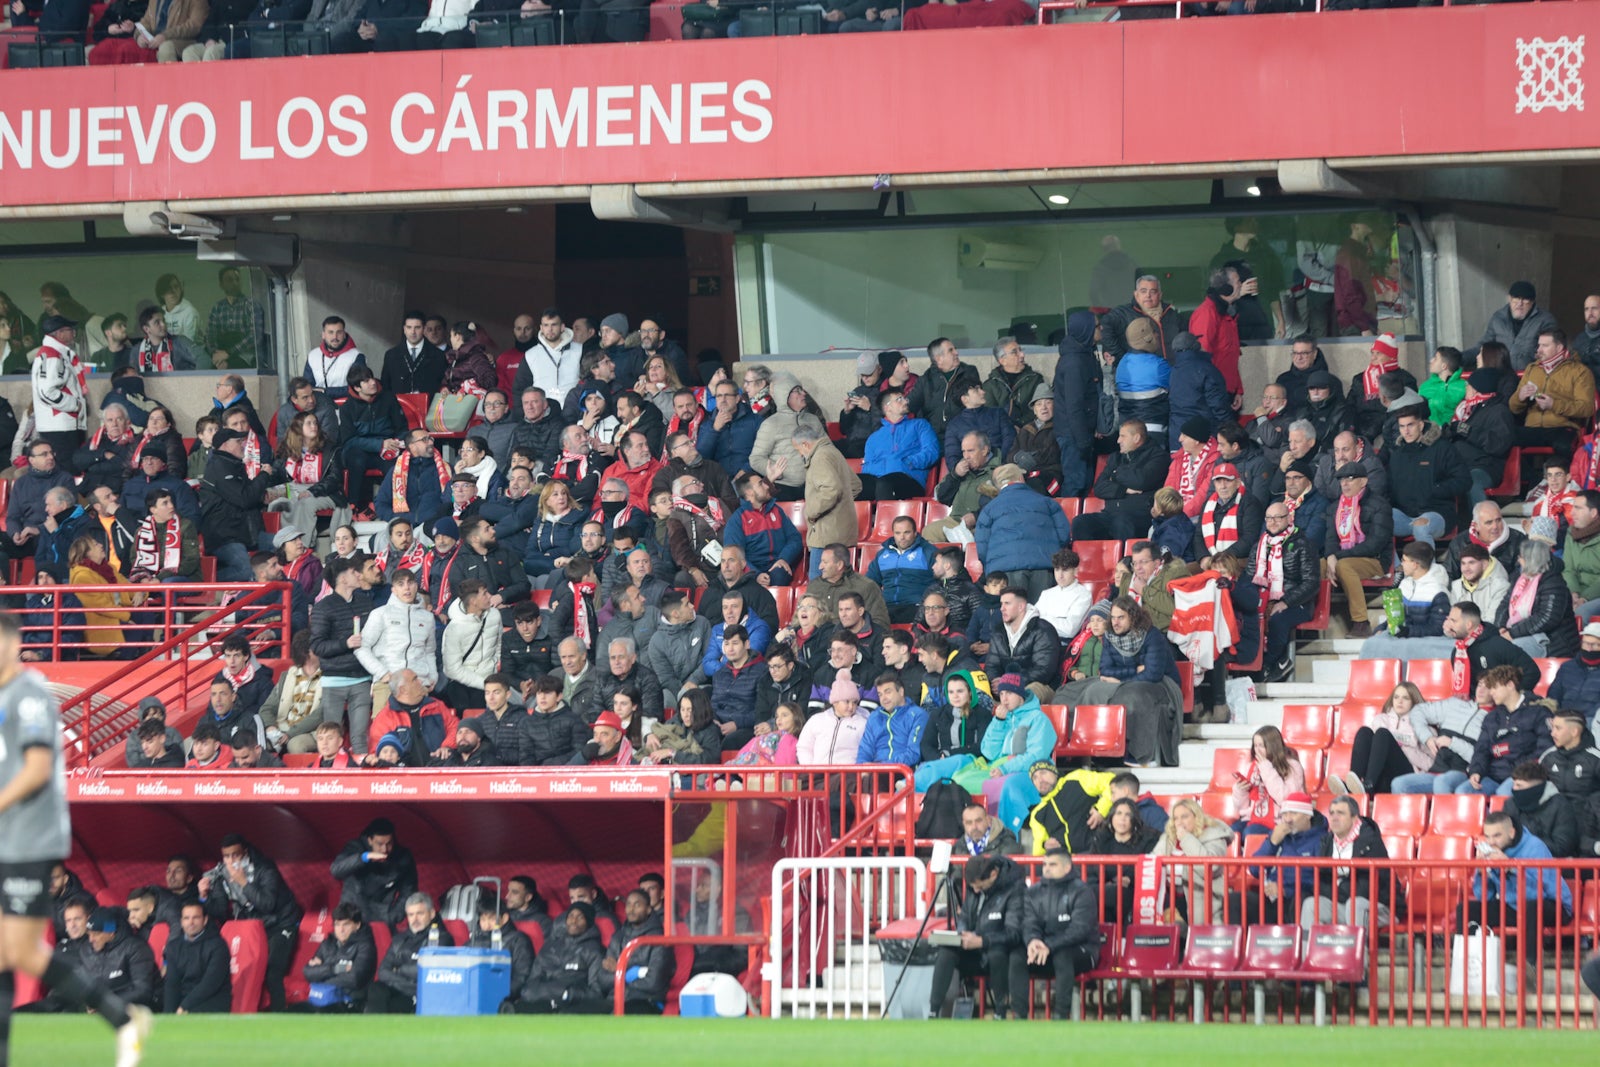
729 432
1426 475
498 428
684 458
1305 359
415 485
653 342
1284 565
25 511
1146 303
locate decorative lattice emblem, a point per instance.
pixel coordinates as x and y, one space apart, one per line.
1551 74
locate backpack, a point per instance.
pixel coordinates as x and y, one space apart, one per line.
942 806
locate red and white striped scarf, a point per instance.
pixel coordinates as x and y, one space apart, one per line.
1557 505
1269 564
1223 535
1347 521
157 550
1293 502
1374 371
413 559
402 473
572 467
1192 465
1549 365
1461 664
717 518
676 425
305 469
154 357
138 449
582 623
1470 404
252 455
243 677
99 437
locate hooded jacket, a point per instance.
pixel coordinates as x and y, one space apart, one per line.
1485 439
548 739
1377 529
333 620
197 974
1197 389
127 967
552 366
378 889
733 692
967 493
1509 737
1533 882
1143 387
1034 652
851 582
398 969
894 736
947 734
730 446
366 424
1077 387
652 966
1490 588
766 536
997 915
1029 728
1063 913
1308 843
1580 558
1063 813
26 504
349 965
1549 816
568 968
773 439
1020 529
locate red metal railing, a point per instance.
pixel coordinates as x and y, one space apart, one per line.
1412 975
1176 5
175 669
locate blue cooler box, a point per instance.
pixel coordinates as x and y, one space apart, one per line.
462 981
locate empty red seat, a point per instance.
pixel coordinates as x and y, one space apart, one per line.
1372 680
1211 952
796 510
1547 674
1071 507
1226 765
1353 715
1219 806
887 511
865 554
1338 765
936 511
1336 954
542 597
863 516
1308 726
1147 950
1269 952
1060 716
1400 846
1098 731
784 597
1401 813
1315 768
1431 676
1456 815
1323 611
1097 559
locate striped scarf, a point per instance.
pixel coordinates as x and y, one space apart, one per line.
154 357
1347 522
1223 535
1192 465
712 512
402 474
306 469
1374 371
1269 564
158 549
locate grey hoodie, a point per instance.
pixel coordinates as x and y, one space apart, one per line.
1459 721
772 440
676 650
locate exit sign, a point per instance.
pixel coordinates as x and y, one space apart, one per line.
705 285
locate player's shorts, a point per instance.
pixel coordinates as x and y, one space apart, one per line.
25 889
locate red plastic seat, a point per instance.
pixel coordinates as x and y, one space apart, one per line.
1400 846
784 597
1269 951
863 516
856 464
542 597
1547 674
1308 726
865 554
887 511
974 564
796 510
1209 952
1147 950
1323 611
1338 765
1060 716
1315 767
1098 731
1372 680
1511 481
1336 954
1225 764
1092 504
415 405
1071 507
1097 559
1219 806
1401 813
458 930
299 759
1431 676
1352 717
1460 815
936 511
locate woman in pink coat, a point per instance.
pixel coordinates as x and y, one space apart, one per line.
1273 774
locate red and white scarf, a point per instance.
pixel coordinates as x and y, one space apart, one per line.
692 428
1558 504
1374 371
1549 365
1074 652
99 438
298 566
572 467
143 443
413 559
434 559
1347 522
1223 535
1519 605
582 624
252 454
1293 502
158 550
1470 404
154 357
1461 664
53 349
402 473
1191 466
1269 564
242 679
304 469
716 517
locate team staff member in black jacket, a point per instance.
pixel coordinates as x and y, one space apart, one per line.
1060 936
493 930
395 991
650 969
991 937
569 974
197 967
247 885
347 961
378 874
121 959
231 506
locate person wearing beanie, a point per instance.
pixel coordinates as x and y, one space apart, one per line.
120 959
1019 735
1484 431
1011 385
1300 833
1144 379
613 337
1197 390
834 736
1077 390
1215 324
1518 325
1190 472
1146 304
878 374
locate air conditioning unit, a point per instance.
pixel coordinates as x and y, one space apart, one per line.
995 255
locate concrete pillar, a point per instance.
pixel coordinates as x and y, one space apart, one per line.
1477 264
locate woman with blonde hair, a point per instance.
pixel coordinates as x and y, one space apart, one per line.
1273 774
810 632
1192 834
103 613
1171 531
554 537
657 383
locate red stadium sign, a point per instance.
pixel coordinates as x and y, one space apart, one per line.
236 786
1491 79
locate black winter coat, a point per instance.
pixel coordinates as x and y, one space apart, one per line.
333 620
1079 380
1368 846
1037 653
197 974
937 396
1509 737
508 734
1427 476
656 963
643 678
997 916
1574 772
1248 523
499 570
370 423
568 969
398 970
1114 328
264 897
1551 615
1485 439
1302 571
127 967
349 966
1377 528
1144 469
1554 821
938 737
512 940
1062 914
549 740
231 503
378 889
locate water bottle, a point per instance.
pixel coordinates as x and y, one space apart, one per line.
433 937
494 939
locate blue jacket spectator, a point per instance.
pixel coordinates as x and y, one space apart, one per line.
41 628
26 505
50 555
1143 383
426 499
1020 529
907 447
731 445
894 736
1175 533
551 539
1536 882
1077 389
733 692
1154 655
1040 743
1576 685
767 535
904 573
1311 518
760 636
991 422
1307 844
1195 389
137 489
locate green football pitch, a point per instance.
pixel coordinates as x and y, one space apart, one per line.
411 1042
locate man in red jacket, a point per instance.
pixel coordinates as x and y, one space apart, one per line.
1215 324
637 468
423 722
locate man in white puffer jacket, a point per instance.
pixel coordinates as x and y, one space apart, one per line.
399 636
471 645
1425 592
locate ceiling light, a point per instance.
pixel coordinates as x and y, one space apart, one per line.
1057 198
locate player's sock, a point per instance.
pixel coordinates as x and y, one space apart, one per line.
79 988
8 994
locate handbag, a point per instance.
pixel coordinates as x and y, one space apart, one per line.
1478 964
450 412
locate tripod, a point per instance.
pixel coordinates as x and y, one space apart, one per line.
947 888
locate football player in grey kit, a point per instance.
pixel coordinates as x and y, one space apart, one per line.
35 834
